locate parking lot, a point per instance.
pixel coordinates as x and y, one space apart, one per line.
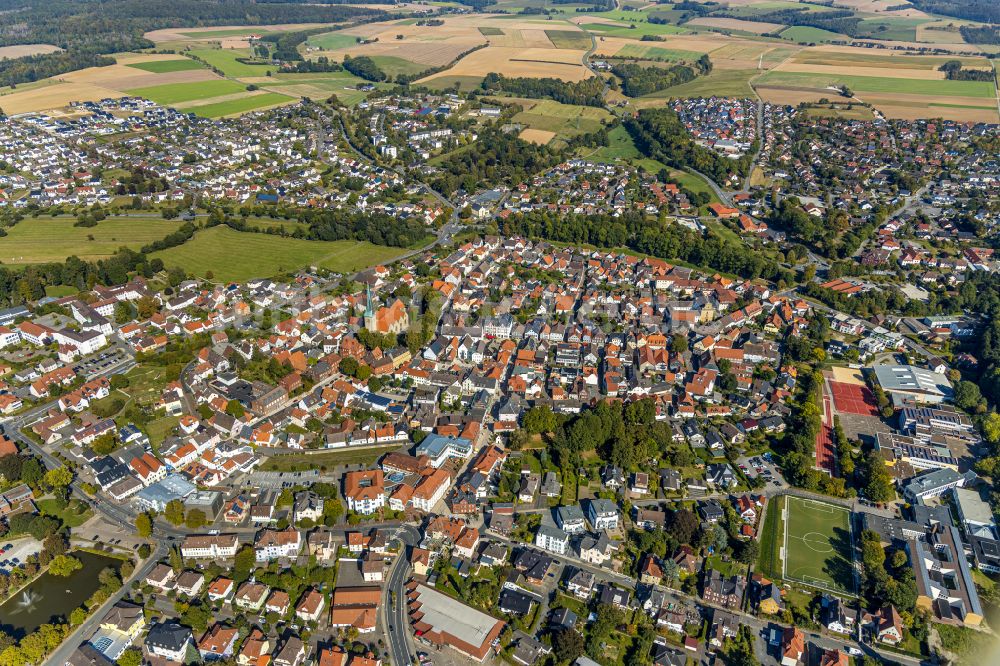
16 551
754 466
101 362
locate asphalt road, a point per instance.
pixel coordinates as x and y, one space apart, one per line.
395 623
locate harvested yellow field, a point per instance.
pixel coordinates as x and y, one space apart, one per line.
122 77
792 96
53 97
540 137
609 46
433 54
221 32
914 107
852 70
849 56
738 24
526 38
533 63
895 105
21 50
944 46
880 7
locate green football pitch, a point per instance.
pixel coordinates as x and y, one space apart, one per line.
818 545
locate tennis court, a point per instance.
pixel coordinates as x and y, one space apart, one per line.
853 399
818 545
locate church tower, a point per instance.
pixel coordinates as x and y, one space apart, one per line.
369 308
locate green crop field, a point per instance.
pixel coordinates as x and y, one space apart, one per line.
238 256
226 61
881 84
392 65
899 28
320 85
490 31
893 60
721 82
818 545
164 66
44 239
568 39
465 83
329 41
657 53
807 34
173 93
242 105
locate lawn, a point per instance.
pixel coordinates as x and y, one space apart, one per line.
165 66
566 120
231 107
238 256
818 545
805 34
225 61
48 239
60 290
693 182
159 429
300 462
620 147
879 84
330 41
173 93
145 383
569 39
75 513
856 112
767 560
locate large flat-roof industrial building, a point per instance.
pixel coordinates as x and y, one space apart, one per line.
442 620
903 383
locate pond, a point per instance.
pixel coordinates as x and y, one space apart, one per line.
51 597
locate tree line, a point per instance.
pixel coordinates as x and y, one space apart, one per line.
641 233
985 11
638 80
364 67
841 20
497 157
589 92
954 72
980 34
88 31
